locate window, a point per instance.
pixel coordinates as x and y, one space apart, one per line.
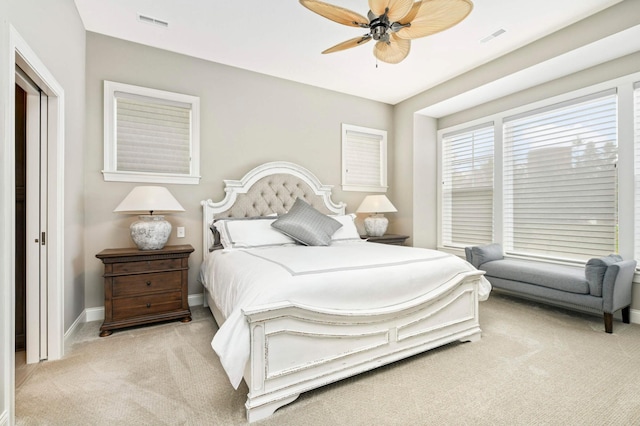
560 179
467 187
364 159
150 135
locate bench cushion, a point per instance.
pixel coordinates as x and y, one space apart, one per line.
560 277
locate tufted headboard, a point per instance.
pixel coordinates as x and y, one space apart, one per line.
269 188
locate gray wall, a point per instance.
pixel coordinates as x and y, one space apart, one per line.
246 119
60 44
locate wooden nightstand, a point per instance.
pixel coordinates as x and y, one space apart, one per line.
144 286
394 239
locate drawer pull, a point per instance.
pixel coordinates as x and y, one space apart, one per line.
148 305
148 283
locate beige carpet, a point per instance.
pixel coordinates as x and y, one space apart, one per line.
534 365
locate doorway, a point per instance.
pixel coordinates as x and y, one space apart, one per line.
22 56
31 113
21 218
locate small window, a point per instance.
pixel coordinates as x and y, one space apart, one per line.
364 159
150 135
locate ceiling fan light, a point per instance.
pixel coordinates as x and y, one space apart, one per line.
379 29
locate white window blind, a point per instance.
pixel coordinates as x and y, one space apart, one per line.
636 121
467 186
560 179
152 135
364 159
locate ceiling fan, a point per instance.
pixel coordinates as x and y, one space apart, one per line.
394 23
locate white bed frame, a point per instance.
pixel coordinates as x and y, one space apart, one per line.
296 348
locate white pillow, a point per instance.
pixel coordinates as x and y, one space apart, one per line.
250 232
348 231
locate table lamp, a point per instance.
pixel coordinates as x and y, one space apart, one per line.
376 224
152 231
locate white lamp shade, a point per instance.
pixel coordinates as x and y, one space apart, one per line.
151 232
376 204
149 199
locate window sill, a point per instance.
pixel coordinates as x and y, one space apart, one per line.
150 178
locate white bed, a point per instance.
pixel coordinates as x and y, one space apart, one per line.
293 318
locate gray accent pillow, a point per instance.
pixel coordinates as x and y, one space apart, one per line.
595 269
307 225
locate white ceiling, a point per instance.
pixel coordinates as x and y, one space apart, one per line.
283 39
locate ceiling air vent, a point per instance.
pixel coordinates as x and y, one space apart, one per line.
153 21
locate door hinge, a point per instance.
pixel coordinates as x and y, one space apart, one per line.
42 240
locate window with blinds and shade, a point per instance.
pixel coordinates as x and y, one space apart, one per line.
150 135
364 159
560 179
467 187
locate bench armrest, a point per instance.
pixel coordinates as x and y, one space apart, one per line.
477 255
616 286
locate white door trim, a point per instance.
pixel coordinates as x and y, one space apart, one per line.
21 54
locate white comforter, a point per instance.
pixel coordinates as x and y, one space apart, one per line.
346 275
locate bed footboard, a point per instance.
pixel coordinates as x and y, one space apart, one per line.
297 348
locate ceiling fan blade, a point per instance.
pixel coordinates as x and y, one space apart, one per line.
434 16
397 8
349 44
393 52
410 16
336 13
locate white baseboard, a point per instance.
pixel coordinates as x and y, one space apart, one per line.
82 318
196 299
94 314
4 418
97 314
634 316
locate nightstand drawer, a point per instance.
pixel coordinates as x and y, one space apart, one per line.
136 284
130 307
147 266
